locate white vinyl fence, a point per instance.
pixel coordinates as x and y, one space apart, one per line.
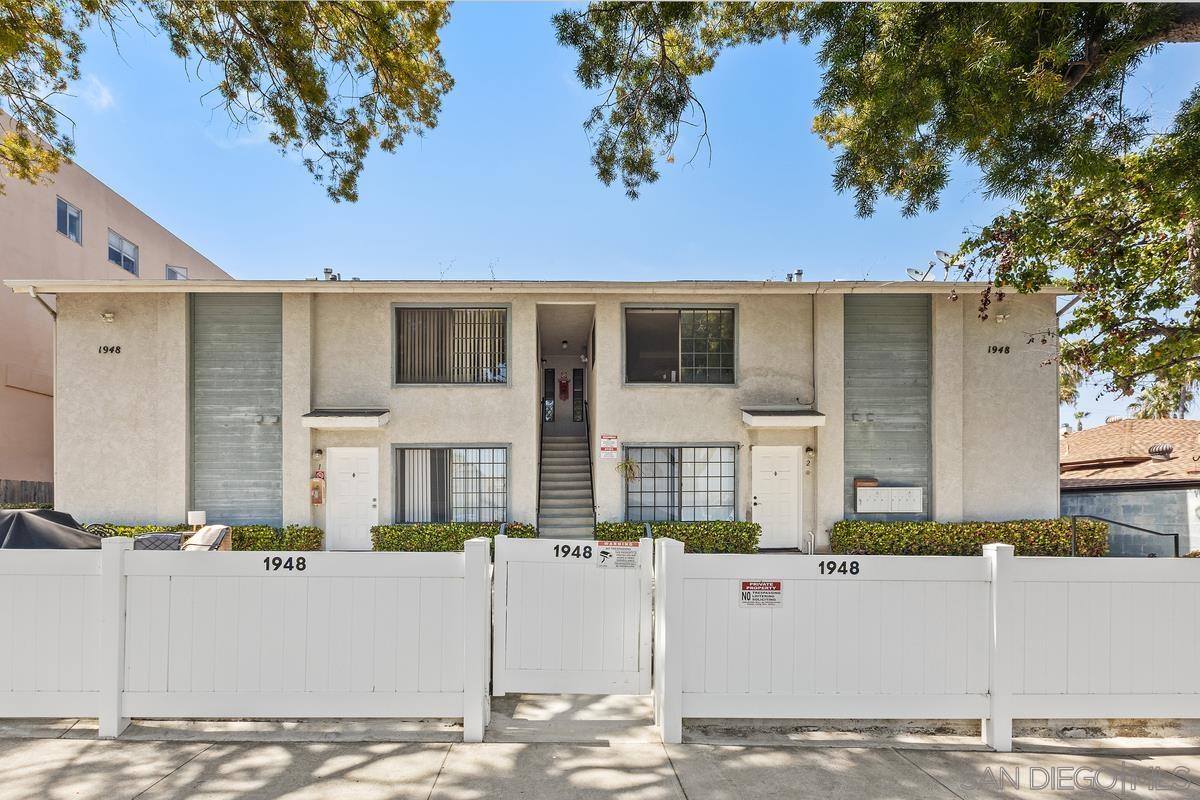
572 616
879 637
49 633
266 635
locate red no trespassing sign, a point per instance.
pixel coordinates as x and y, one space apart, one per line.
760 594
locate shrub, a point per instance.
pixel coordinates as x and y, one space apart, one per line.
1029 537
441 537
242 537
26 506
697 537
291 537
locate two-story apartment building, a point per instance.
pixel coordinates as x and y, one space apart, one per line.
70 227
348 403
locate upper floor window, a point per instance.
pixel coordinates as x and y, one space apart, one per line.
681 483
451 345
176 273
122 252
679 345
70 221
451 484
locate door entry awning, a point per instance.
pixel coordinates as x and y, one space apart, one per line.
782 417
346 418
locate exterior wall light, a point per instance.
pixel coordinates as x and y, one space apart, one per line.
108 316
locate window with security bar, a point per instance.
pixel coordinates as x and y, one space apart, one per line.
451 484
681 484
679 345
451 345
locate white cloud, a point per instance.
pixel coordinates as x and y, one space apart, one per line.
93 92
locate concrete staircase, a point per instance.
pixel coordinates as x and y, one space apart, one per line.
565 490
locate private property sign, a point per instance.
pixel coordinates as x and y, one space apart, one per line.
760 594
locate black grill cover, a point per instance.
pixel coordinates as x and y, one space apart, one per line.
44 530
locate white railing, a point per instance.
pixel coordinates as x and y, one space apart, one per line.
255 635
885 637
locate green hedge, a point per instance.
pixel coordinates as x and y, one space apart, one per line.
26 506
264 537
697 537
1029 537
242 537
440 537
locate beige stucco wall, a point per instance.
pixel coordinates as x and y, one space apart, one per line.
774 367
33 248
1010 410
352 366
121 439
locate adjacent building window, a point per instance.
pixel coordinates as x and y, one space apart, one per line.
122 252
681 483
176 273
451 345
70 221
679 345
452 484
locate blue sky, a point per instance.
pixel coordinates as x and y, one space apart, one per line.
504 186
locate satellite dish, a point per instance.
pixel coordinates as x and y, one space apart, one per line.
917 275
944 257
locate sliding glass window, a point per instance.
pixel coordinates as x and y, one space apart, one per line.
679 345
451 484
451 345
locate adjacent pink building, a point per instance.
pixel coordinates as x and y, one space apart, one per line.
72 226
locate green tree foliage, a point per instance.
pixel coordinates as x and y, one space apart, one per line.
1017 89
329 78
1161 400
1126 240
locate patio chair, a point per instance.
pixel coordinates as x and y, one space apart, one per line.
207 538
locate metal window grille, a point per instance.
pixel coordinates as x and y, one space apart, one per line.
460 484
687 345
451 345
681 483
706 345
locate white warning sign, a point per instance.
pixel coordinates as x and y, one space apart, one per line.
760 594
617 555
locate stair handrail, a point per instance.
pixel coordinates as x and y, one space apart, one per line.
541 432
1075 517
587 428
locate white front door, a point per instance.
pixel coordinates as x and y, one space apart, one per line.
775 483
352 484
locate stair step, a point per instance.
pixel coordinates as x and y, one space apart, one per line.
560 492
556 439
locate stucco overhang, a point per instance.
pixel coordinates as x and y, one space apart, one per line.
346 418
781 417
496 287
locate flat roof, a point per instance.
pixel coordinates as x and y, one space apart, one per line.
23 286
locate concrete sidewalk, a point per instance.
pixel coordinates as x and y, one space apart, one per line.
114 770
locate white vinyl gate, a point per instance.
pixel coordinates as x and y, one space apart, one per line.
572 616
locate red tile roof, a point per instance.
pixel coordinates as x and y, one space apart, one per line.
1118 454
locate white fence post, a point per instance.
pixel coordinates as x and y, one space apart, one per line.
668 639
997 727
646 602
477 628
112 635
500 602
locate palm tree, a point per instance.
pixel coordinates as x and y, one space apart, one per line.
1079 417
1069 378
1161 400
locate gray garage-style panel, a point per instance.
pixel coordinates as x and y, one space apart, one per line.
887 395
237 404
